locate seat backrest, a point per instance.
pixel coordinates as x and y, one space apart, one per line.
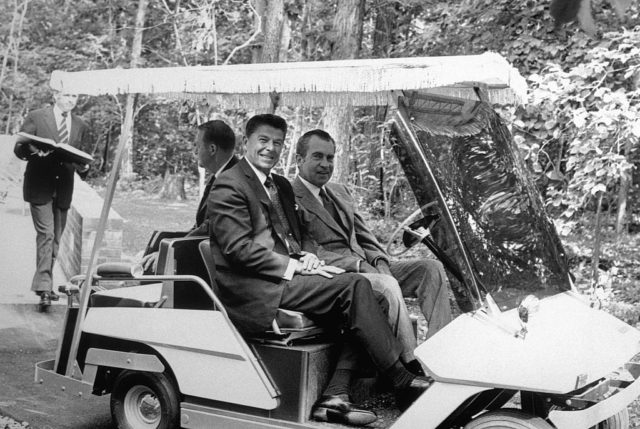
181 256
209 263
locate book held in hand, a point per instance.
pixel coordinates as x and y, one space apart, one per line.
63 151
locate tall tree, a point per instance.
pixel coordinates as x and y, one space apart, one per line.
130 105
347 41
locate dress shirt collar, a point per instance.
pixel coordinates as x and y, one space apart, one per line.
261 176
57 114
315 191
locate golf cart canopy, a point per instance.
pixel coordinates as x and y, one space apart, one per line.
320 83
454 148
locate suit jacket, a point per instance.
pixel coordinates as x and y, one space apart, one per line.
202 221
342 246
46 176
250 255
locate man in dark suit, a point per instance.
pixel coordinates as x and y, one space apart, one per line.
330 214
48 182
215 146
265 262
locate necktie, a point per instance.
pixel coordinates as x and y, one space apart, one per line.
292 243
63 133
330 207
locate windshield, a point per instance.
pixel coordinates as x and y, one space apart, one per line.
512 246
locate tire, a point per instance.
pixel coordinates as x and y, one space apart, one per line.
508 419
144 400
617 421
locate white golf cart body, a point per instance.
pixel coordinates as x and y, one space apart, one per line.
570 363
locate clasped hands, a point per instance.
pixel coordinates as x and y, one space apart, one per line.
309 264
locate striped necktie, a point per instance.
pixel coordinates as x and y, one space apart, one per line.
63 132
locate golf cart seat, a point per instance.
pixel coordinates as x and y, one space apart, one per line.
287 326
147 295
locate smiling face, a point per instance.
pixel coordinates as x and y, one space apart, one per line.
316 166
264 147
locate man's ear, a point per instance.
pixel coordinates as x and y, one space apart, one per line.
299 159
212 149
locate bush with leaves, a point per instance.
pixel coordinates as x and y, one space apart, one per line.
582 126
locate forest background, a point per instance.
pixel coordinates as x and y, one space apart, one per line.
578 133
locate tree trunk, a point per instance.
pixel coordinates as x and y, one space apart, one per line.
623 194
595 259
136 53
272 12
347 33
13 46
173 187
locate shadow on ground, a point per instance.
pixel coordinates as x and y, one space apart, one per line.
27 337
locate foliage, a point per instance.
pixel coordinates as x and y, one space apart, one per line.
575 129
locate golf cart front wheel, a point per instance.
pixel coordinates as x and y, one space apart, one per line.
508 419
144 400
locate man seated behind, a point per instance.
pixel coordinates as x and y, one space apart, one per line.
265 261
330 215
215 145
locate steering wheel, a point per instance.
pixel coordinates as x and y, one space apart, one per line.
404 225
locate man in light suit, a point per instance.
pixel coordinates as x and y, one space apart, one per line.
48 182
329 213
265 261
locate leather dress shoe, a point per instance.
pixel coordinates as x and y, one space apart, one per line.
406 396
45 298
414 367
338 409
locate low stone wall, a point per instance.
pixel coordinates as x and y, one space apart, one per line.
82 222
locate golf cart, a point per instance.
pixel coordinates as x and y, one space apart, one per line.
528 352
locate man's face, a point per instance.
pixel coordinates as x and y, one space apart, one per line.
65 102
264 147
316 166
205 155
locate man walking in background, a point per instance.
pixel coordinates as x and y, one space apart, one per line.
48 182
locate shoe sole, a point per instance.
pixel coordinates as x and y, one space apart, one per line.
353 418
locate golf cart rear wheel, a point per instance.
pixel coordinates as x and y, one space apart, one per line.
617 421
508 419
144 400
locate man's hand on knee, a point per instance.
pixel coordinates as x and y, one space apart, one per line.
323 270
383 267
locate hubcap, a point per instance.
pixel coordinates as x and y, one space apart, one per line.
142 408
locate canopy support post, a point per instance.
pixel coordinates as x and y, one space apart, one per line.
72 366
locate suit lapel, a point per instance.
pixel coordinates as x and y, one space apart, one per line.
288 204
344 210
74 133
311 203
50 122
261 195
202 207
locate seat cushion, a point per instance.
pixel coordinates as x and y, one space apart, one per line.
132 296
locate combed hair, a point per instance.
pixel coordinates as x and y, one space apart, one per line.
269 119
217 132
303 142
